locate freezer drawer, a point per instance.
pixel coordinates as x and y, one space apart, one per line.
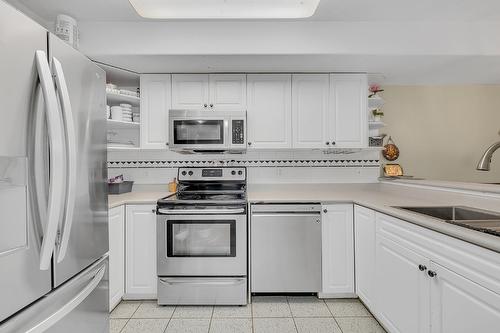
78 306
285 248
202 291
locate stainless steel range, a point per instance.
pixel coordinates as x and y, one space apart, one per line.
202 238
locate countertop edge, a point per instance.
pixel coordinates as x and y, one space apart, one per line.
477 238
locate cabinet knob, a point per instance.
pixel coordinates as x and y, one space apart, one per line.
422 267
166 143
333 143
211 105
325 210
431 274
327 143
249 143
205 105
153 211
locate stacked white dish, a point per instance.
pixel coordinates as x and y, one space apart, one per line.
136 115
117 113
126 112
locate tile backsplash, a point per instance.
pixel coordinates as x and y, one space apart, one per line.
311 166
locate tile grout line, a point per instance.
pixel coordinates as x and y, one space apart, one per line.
170 318
291 313
128 319
211 316
335 319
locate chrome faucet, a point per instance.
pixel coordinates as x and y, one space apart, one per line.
485 161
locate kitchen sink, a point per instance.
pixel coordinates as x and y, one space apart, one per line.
472 218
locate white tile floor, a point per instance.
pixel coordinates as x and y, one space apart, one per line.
273 314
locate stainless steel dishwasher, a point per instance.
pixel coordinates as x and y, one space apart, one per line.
285 248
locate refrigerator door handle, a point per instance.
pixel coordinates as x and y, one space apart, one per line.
57 161
71 163
71 305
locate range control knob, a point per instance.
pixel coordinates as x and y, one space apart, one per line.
183 173
233 172
190 173
240 172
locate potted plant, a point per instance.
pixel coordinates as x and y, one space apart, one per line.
377 114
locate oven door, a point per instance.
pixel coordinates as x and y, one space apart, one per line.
199 133
202 245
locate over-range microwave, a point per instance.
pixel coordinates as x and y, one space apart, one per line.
207 131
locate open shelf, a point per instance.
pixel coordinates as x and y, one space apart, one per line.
375 102
117 124
373 125
114 98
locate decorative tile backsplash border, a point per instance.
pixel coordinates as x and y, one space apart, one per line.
247 163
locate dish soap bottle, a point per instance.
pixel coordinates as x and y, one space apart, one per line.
172 186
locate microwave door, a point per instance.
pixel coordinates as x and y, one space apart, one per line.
199 133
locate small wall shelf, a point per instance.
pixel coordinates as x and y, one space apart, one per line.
373 125
117 124
114 98
375 102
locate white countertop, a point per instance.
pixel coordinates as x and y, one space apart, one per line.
383 197
136 198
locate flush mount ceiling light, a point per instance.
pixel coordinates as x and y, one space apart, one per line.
224 9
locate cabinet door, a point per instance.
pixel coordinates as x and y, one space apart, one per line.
116 256
140 250
228 92
190 91
269 110
310 108
364 249
337 250
155 103
349 117
402 289
459 305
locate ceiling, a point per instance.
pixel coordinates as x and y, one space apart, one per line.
328 10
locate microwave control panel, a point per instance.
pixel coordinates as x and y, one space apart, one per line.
238 132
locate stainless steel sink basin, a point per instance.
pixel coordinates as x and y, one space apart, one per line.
472 218
457 213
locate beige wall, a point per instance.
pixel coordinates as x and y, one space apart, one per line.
442 131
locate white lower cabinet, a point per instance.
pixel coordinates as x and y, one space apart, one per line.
402 289
140 253
364 247
337 251
423 281
116 227
459 305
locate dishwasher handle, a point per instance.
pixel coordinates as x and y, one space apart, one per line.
287 214
287 209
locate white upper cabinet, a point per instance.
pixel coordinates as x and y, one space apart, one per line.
190 91
269 111
348 123
209 92
228 92
155 103
310 110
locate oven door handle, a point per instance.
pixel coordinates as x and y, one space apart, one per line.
204 281
200 211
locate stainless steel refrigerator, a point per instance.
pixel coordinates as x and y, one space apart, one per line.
53 200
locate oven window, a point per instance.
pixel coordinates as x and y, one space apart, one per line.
198 131
200 238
